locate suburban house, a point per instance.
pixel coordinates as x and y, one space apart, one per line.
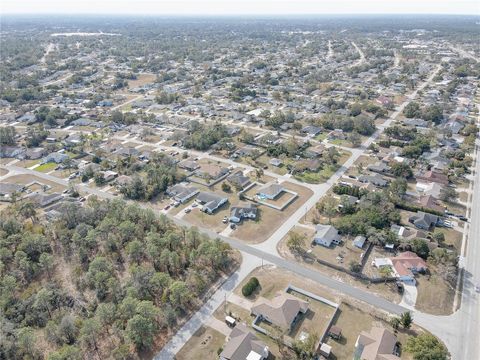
275 162
283 310
406 265
433 176
429 188
379 167
238 180
56 157
189 165
315 151
109 175
211 171
423 220
8 189
311 130
376 180
378 344
326 235
247 211
243 345
43 199
181 193
430 202
270 191
210 201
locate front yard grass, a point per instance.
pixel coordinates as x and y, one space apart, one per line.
46 167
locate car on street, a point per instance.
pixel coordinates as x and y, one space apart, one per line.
187 210
166 207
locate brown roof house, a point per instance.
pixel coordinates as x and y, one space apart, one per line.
243 345
433 176
283 310
406 265
378 344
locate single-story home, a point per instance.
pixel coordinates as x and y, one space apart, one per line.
181 193
210 201
406 265
56 157
243 345
283 310
378 343
238 180
270 191
423 220
275 162
248 211
326 235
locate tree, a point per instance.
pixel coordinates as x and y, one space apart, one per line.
141 331
89 333
420 247
395 322
448 194
397 189
406 319
306 349
226 187
355 139
26 341
7 135
328 207
354 266
27 210
67 329
402 170
412 110
43 300
426 347
296 242
439 237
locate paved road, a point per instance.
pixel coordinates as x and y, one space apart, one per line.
469 314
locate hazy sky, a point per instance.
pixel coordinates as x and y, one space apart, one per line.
232 7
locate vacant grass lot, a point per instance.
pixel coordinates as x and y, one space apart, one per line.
203 345
435 295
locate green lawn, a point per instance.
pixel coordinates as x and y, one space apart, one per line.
316 177
46 167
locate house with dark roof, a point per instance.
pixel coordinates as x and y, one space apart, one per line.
243 345
311 130
210 201
44 199
238 180
189 165
376 180
423 220
181 193
283 310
